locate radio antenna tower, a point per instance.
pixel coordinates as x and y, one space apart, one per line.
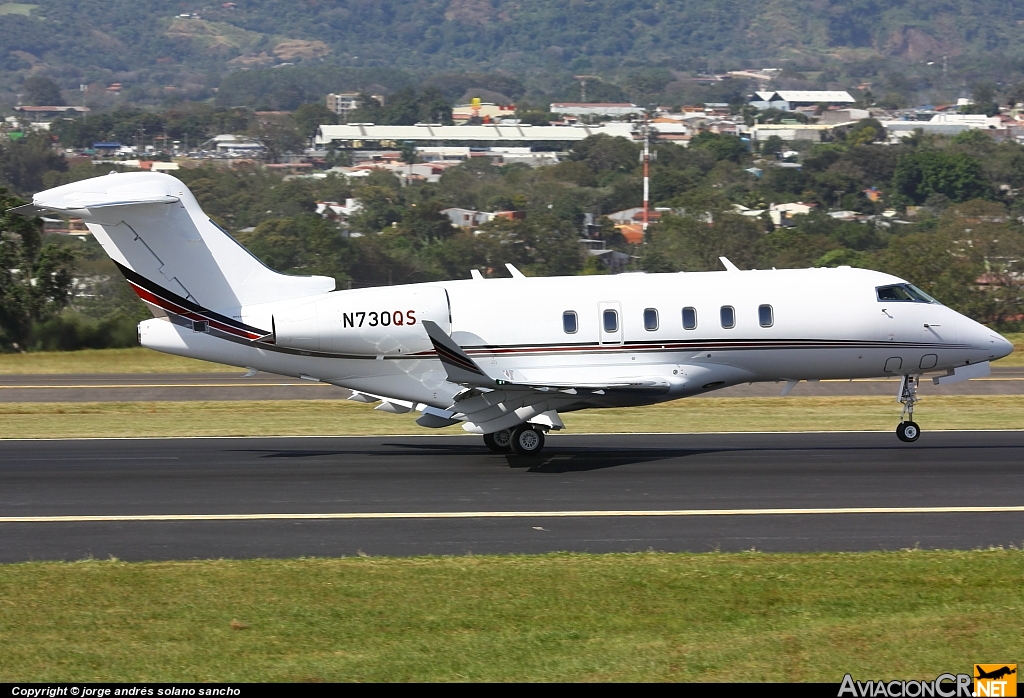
646 156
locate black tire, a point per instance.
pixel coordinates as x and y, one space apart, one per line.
908 432
499 441
527 441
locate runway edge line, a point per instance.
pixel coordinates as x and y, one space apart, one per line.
515 514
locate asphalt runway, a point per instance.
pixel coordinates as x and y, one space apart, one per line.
264 386
158 499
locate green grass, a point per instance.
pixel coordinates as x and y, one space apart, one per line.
16 8
558 617
134 360
341 417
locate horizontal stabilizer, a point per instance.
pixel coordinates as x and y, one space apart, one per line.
26 210
100 200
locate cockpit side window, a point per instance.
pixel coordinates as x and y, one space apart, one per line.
903 293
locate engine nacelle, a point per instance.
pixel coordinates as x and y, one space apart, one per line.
384 320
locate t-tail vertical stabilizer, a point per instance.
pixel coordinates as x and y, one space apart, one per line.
154 230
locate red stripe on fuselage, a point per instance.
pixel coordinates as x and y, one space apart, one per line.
172 307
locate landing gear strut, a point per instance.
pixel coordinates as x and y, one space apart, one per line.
907 430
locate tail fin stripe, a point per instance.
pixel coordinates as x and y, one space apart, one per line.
170 301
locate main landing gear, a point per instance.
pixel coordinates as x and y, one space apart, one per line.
907 430
524 440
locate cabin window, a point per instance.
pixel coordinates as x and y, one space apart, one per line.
765 316
689 318
569 323
611 321
903 293
650 319
728 317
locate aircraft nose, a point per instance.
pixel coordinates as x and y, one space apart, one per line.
1001 346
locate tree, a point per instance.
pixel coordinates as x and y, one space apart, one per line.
604 153
278 137
369 111
305 244
924 172
42 92
690 243
425 223
309 117
865 131
381 208
407 107
24 162
773 145
35 278
723 146
408 153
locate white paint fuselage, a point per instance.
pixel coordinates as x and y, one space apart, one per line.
827 324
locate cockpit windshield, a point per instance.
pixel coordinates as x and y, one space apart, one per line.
905 293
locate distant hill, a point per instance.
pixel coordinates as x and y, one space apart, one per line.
151 49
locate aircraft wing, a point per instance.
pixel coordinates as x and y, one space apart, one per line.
463 370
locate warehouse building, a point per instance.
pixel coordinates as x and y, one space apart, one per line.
373 136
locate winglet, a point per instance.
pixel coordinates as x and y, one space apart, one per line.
729 266
460 368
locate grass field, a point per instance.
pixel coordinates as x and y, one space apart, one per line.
341 417
140 360
134 360
558 617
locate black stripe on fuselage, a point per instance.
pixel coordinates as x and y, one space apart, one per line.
155 289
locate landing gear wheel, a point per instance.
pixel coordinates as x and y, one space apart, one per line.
499 441
527 441
908 431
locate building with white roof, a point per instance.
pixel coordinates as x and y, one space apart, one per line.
371 135
789 100
597 109
943 125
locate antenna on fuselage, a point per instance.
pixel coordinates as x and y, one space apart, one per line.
729 266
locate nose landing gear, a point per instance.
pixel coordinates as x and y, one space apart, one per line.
907 430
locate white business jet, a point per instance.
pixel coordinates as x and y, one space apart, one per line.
506 357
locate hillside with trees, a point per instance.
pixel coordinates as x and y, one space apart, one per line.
642 50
